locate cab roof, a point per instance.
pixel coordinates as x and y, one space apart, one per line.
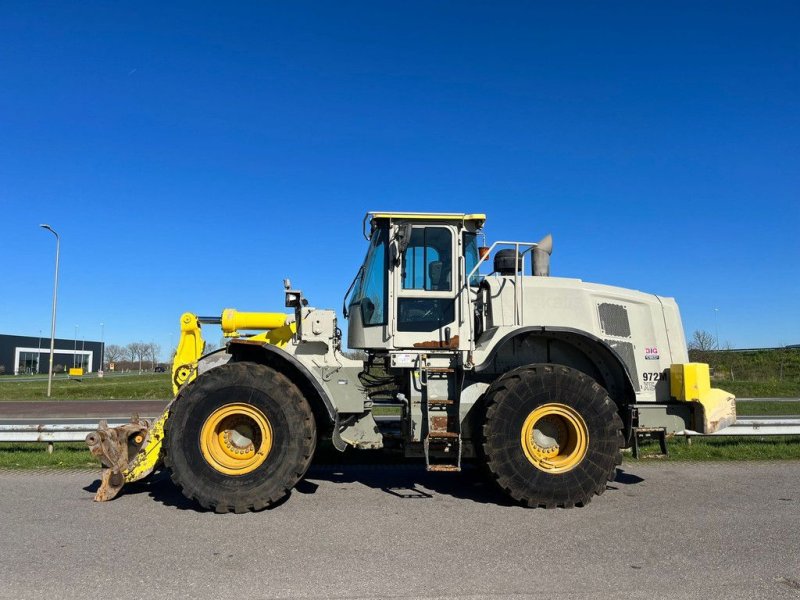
478 218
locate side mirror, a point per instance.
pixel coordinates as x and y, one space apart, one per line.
401 240
403 237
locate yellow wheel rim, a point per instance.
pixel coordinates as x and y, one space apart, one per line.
236 439
554 438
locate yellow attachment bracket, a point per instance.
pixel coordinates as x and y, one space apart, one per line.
147 458
691 382
234 321
277 337
190 349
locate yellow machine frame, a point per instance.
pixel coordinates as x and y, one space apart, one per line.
275 328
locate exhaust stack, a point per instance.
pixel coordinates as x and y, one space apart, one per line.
541 256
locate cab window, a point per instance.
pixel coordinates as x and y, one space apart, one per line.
428 260
471 257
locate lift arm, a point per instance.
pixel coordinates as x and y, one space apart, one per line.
191 345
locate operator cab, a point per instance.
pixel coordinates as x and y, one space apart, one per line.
407 293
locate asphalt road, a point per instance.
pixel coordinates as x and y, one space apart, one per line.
703 530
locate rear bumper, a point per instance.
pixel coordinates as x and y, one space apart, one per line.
714 409
718 411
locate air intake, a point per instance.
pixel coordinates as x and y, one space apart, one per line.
506 262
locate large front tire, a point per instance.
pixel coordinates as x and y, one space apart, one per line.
551 436
239 438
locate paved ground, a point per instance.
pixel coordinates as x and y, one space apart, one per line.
705 530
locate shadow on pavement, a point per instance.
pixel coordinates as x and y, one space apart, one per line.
410 480
403 479
413 482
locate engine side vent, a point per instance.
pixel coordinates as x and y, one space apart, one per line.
614 320
628 356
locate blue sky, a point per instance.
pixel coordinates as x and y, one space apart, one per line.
193 155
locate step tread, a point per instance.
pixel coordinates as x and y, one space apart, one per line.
446 468
443 434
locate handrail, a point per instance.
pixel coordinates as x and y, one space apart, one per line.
518 295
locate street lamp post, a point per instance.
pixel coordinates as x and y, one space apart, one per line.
53 319
102 349
716 326
75 348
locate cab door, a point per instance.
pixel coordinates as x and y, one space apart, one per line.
427 283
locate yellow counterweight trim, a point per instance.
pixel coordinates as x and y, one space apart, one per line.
236 438
691 382
554 438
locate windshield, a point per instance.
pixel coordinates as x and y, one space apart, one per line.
369 287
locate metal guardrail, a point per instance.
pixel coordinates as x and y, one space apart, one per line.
71 430
755 426
50 431
67 430
767 400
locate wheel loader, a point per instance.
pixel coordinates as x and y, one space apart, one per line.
483 355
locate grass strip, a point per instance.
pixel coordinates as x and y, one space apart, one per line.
66 455
745 409
760 389
778 447
152 386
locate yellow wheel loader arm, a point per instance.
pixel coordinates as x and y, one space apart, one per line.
190 349
132 451
273 327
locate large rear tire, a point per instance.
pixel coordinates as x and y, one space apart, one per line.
239 438
551 436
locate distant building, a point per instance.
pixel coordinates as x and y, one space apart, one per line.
24 355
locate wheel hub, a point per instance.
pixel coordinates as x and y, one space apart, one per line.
236 438
554 438
549 433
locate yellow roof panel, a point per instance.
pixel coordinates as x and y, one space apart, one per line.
428 216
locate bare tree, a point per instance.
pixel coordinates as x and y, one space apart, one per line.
210 347
137 351
153 350
114 353
702 346
703 341
131 351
